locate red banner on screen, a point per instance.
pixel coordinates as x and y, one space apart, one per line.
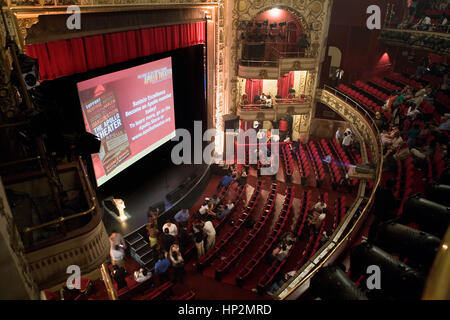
131 111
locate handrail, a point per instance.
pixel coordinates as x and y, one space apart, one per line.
360 218
425 32
275 103
112 294
75 215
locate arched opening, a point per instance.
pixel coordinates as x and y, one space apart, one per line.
274 33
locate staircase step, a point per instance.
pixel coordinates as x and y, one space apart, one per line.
143 251
139 245
133 238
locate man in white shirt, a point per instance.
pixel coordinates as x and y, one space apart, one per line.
173 230
413 111
347 141
320 206
142 275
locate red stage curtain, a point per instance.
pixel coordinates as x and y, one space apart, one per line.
285 83
66 57
253 87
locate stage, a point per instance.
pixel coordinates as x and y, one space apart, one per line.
184 182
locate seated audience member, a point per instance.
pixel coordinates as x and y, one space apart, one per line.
423 152
153 234
225 182
279 281
320 206
315 219
182 216
162 268
206 211
397 140
167 240
119 274
215 200
386 139
225 210
142 275
288 236
173 230
177 262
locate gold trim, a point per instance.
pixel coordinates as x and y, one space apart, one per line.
365 211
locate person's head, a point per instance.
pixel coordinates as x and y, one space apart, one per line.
396 134
175 247
161 256
284 247
175 255
166 230
210 206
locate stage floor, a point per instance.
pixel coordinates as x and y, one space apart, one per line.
145 194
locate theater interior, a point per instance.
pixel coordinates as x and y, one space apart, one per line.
326 176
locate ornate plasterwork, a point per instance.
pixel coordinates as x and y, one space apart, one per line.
11 235
313 15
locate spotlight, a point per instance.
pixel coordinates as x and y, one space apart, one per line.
30 70
331 283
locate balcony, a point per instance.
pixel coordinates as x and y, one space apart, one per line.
438 42
267 60
280 108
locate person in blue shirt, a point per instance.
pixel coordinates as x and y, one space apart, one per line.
162 268
226 180
182 215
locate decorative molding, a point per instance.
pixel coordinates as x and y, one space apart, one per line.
362 126
48 265
11 234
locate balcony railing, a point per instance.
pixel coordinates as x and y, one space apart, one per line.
435 41
268 54
275 104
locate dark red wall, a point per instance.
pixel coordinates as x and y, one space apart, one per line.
363 55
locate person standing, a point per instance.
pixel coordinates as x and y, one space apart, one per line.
182 217
338 135
162 268
198 239
153 233
177 262
119 274
167 240
210 233
173 230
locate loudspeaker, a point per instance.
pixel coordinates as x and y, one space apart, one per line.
231 121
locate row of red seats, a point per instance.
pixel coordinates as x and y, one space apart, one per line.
402 79
287 160
371 90
230 259
436 166
330 146
443 99
163 291
431 78
276 265
190 295
437 13
317 160
343 209
317 242
366 102
270 240
306 163
301 168
385 84
335 171
405 180
206 259
239 194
